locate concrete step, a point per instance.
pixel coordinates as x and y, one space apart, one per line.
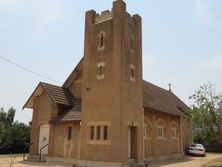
136 165
133 163
35 158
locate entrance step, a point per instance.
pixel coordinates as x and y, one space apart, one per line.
133 163
36 158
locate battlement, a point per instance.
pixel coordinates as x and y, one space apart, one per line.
105 15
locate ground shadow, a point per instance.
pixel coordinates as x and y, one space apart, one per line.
44 164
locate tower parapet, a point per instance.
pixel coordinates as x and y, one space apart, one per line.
104 16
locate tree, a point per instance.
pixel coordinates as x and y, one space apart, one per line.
14 136
206 113
10 116
20 137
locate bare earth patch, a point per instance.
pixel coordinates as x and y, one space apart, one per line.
214 163
212 160
5 161
190 161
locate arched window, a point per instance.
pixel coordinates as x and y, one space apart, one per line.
147 128
174 130
160 129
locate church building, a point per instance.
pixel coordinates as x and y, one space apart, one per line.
105 114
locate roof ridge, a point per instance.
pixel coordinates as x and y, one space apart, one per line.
45 83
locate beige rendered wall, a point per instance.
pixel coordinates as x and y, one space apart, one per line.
76 86
64 147
43 111
115 101
154 146
187 135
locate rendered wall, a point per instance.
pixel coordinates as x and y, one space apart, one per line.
43 111
114 100
156 147
64 147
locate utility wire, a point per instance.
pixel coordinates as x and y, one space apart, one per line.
28 70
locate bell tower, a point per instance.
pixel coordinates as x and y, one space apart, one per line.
112 99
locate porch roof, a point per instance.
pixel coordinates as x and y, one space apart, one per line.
73 114
57 94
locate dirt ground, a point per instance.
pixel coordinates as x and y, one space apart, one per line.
187 162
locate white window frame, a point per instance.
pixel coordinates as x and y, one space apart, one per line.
132 67
100 65
160 132
99 36
173 133
98 136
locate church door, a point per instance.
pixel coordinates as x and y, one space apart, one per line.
43 138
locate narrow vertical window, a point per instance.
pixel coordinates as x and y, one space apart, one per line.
69 134
100 70
91 132
101 40
160 132
132 42
132 72
98 133
145 130
173 132
105 133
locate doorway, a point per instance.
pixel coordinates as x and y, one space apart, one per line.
43 139
132 143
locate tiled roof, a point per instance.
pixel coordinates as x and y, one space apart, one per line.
162 100
58 94
154 98
73 114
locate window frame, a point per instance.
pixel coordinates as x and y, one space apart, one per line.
101 70
173 132
105 133
98 133
101 40
92 133
132 73
160 132
69 133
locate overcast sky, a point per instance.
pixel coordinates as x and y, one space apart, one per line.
182 44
